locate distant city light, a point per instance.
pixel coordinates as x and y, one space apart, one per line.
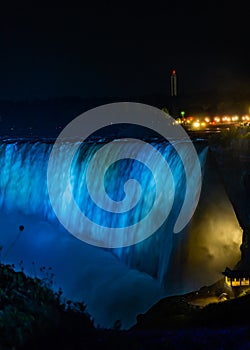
204 122
196 124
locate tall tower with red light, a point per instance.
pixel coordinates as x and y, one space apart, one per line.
173 83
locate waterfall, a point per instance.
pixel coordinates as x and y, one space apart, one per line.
23 187
126 281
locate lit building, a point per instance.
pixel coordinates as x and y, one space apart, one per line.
173 83
237 278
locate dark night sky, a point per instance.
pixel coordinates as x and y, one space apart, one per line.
108 48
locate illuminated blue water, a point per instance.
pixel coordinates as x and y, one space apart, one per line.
130 278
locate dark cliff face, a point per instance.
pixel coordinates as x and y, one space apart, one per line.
233 164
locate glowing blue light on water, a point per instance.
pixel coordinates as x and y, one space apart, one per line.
23 187
80 268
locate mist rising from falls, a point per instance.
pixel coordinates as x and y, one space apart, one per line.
115 283
211 241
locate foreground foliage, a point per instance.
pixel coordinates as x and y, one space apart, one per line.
32 316
30 311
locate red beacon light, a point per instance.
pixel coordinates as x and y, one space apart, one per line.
173 71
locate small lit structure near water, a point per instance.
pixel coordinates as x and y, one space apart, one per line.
237 278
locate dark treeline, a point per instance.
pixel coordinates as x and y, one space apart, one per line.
48 116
